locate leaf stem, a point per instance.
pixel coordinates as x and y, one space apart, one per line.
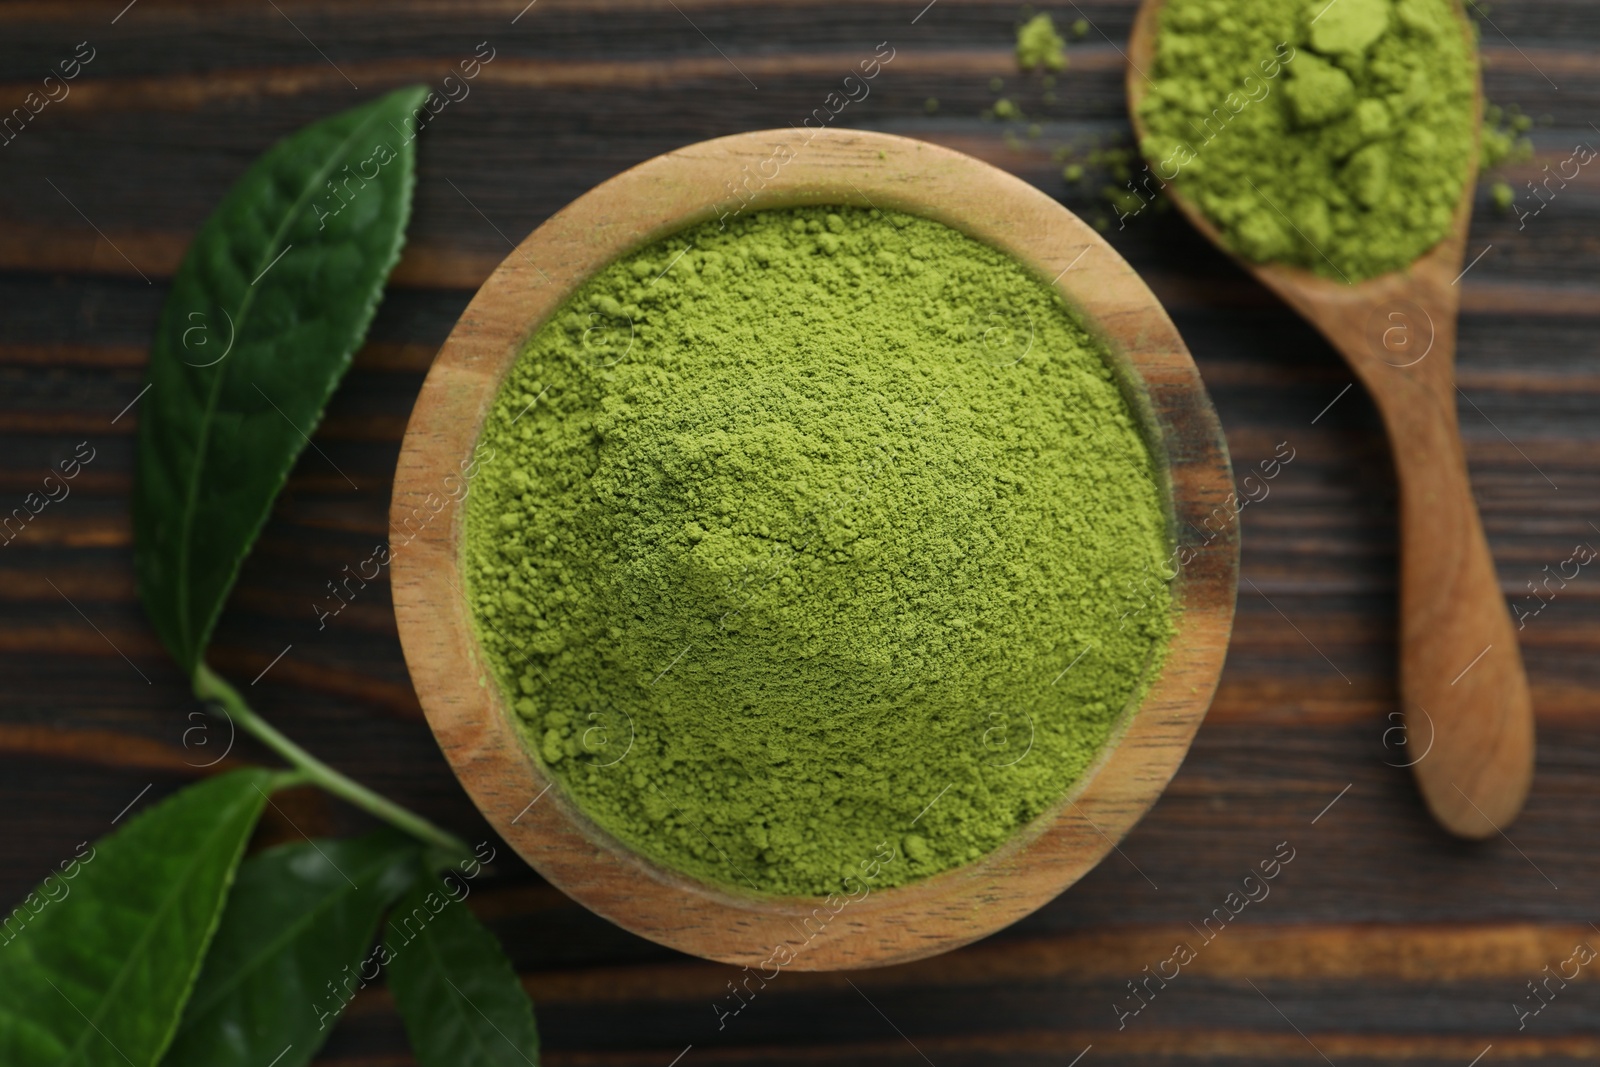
210 686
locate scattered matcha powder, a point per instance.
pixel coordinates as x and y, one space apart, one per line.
829 529
1335 137
1505 137
1039 46
1504 140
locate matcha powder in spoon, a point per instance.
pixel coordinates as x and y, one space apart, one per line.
1334 135
825 530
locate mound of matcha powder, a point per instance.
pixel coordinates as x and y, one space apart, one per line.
827 530
1333 136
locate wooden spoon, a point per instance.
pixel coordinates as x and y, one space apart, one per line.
1462 685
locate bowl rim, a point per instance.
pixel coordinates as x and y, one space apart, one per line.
440 454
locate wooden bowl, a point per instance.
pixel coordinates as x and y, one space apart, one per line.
470 716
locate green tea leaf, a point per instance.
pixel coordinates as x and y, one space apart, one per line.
98 977
456 991
288 955
272 299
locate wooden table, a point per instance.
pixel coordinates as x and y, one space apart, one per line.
1382 941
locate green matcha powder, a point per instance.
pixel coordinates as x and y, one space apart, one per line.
827 529
1333 135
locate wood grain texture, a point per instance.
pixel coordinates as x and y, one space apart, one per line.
475 725
1463 688
1306 696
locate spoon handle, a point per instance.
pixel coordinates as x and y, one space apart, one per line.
1464 692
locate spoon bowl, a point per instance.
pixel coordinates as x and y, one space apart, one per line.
1463 689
